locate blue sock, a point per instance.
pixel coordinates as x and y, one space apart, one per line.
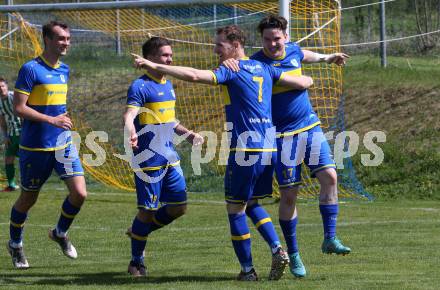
241 239
139 234
68 213
263 222
329 213
289 232
161 219
16 225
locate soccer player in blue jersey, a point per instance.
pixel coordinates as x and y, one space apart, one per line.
45 144
299 126
150 122
248 174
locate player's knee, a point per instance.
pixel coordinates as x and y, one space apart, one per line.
25 201
288 195
177 211
81 195
328 177
145 216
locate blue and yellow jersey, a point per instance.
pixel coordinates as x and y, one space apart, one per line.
155 122
292 111
247 96
46 87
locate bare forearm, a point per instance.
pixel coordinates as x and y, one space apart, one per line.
181 130
313 57
186 73
338 58
28 113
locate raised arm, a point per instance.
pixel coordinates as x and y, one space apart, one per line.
22 110
129 116
337 58
181 72
296 82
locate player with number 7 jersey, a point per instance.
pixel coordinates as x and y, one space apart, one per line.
247 96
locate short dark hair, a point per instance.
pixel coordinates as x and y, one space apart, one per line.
152 45
48 28
272 22
3 80
232 33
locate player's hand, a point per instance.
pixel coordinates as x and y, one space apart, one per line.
62 121
307 81
139 62
231 64
133 140
337 58
197 139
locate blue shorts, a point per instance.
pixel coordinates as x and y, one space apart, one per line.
36 166
309 147
243 183
165 185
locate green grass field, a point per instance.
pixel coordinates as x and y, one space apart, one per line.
395 246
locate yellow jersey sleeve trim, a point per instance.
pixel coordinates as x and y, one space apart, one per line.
262 222
298 131
214 77
46 149
133 106
253 149
22 92
241 238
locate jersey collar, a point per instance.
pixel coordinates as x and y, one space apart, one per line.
276 58
161 81
57 65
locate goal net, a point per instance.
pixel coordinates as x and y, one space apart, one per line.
101 72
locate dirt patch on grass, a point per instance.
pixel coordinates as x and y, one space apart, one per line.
401 112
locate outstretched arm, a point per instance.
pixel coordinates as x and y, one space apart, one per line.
337 58
181 72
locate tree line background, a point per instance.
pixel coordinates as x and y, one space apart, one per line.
403 18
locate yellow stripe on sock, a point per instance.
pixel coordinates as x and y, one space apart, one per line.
69 216
241 238
16 225
139 238
263 221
